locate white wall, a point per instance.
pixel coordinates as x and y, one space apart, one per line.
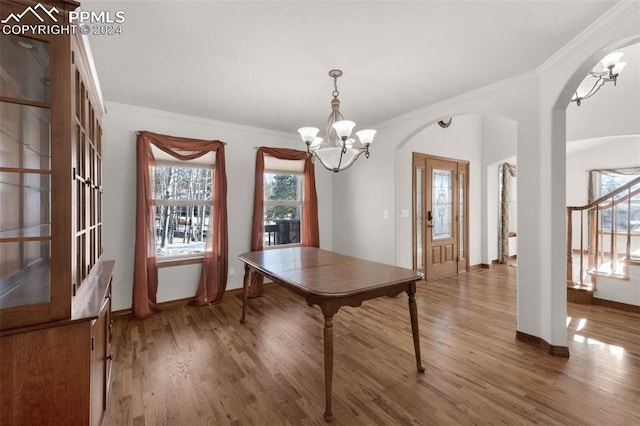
622 291
119 158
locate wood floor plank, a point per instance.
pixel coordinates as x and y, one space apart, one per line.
200 366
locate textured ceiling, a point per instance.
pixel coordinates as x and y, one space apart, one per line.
265 63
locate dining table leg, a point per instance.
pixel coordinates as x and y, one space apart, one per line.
245 292
328 365
413 311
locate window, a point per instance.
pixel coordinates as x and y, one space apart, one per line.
282 207
283 188
607 182
182 194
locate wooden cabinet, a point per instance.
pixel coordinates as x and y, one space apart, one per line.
59 374
55 289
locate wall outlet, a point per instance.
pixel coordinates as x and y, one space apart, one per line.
232 272
405 212
385 214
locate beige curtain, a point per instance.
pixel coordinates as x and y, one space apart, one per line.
310 234
213 279
508 171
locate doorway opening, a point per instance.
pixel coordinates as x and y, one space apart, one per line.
441 212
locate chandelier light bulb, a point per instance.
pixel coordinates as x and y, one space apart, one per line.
366 136
611 60
343 128
617 69
308 134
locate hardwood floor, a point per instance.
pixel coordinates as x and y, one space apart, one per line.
200 366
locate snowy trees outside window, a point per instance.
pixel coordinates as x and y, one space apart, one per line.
182 196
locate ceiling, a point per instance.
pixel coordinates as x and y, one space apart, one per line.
266 63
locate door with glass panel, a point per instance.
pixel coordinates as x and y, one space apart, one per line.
440 215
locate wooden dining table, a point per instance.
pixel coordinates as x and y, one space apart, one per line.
332 280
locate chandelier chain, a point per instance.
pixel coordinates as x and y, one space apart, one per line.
335 92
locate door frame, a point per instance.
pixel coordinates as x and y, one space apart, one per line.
463 167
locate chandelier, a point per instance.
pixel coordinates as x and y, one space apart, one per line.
337 151
595 80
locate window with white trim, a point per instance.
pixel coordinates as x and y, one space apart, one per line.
182 192
283 195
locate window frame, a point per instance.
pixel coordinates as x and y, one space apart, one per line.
284 203
599 193
188 258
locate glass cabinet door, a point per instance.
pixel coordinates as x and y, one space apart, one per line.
25 172
34 180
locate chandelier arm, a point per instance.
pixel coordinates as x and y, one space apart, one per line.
594 89
335 170
354 160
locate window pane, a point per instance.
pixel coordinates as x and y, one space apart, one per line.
461 235
611 182
418 213
623 215
282 187
181 230
182 183
282 225
442 201
283 208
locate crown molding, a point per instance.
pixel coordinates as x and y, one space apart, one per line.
197 120
609 20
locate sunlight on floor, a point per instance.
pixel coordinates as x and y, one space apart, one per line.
579 338
613 349
581 324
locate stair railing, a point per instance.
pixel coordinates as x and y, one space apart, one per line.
596 255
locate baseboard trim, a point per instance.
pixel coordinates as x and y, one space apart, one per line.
479 266
553 350
171 304
616 305
497 262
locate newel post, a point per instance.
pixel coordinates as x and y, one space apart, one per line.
569 247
